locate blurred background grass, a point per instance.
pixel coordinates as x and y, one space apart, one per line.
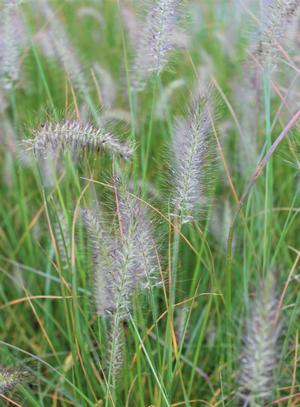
47 319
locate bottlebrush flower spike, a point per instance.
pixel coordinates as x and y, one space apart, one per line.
11 377
194 152
155 43
9 54
75 137
259 358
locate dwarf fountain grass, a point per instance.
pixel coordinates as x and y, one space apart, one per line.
260 350
122 264
75 137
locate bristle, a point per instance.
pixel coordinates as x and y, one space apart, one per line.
260 351
194 153
74 137
155 43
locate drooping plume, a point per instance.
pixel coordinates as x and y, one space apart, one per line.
194 151
155 41
260 351
75 137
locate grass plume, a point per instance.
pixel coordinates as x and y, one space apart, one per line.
75 137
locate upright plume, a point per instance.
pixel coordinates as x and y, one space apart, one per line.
194 152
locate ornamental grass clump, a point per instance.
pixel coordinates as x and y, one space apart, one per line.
123 264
